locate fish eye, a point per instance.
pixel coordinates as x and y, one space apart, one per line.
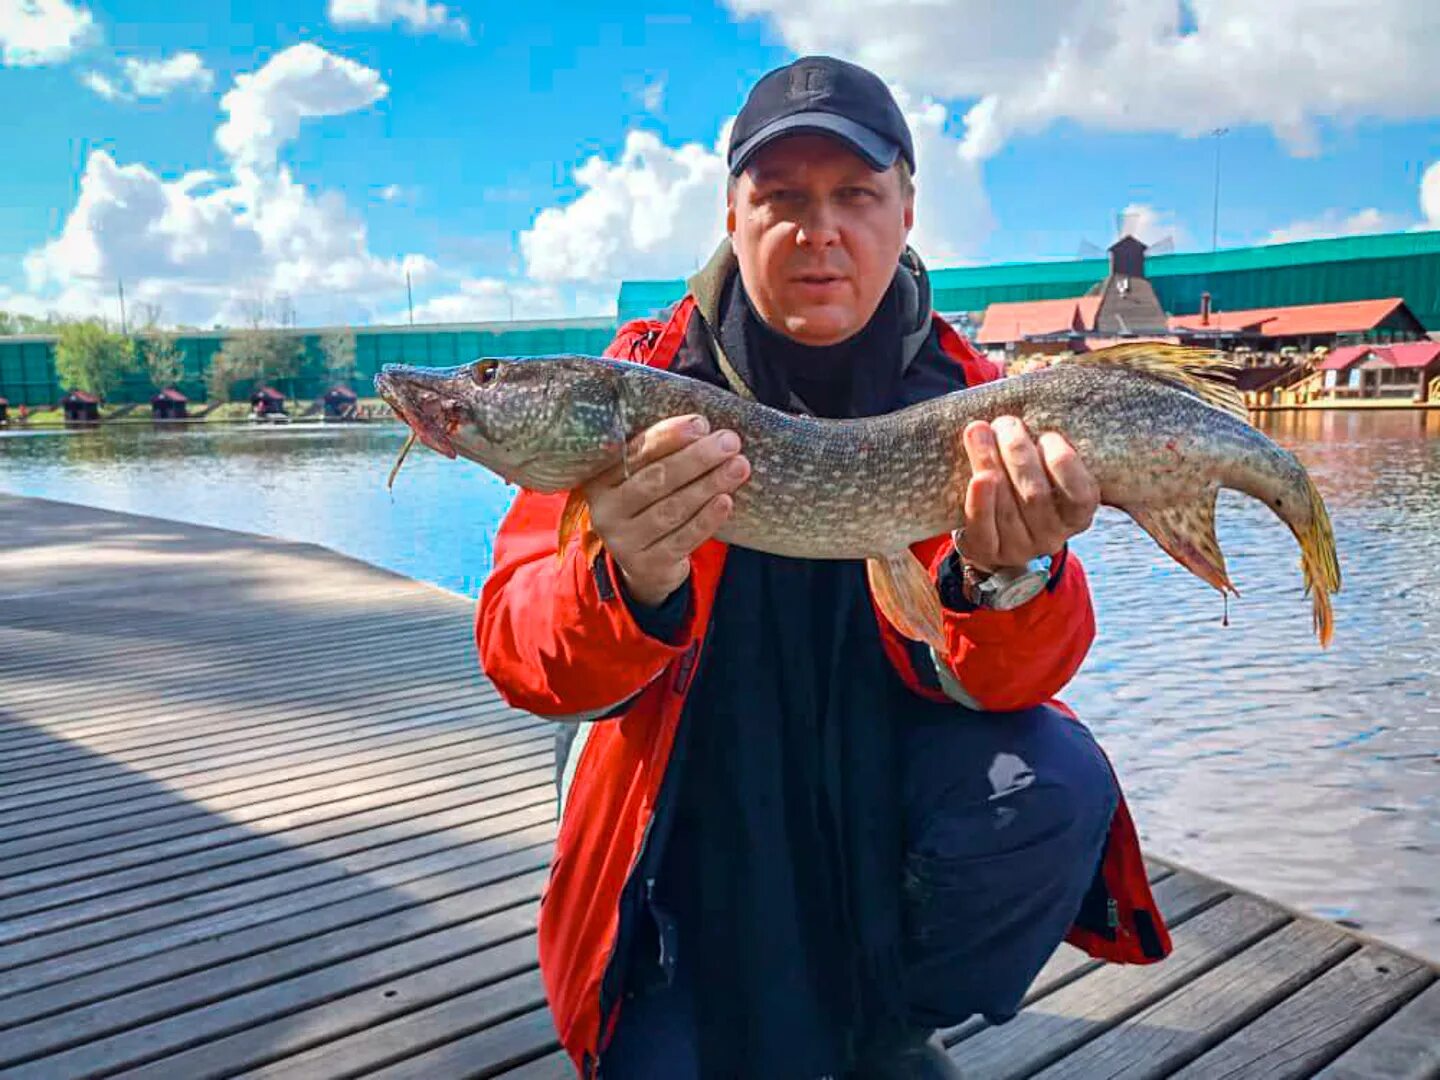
484 371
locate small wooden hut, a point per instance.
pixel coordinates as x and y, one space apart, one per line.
340 403
81 407
169 404
267 401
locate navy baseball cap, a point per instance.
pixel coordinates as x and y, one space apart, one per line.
825 96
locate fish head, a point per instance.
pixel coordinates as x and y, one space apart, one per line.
545 423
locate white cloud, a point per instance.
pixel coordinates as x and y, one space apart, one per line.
36 32
658 211
1135 65
157 78
1430 196
651 95
1149 225
104 86
952 211
485 299
1336 223
391 193
203 244
417 16
265 108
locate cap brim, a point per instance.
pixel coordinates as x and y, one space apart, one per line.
879 152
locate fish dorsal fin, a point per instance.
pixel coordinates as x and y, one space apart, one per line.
1207 374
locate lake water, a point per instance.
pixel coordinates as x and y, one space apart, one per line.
1246 751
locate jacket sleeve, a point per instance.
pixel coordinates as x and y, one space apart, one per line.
554 633
1016 659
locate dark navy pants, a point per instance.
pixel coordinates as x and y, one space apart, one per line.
1006 817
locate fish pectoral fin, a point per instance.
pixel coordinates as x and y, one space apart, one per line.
1187 534
575 521
907 597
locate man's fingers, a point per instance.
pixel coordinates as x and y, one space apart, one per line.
679 543
656 441
981 543
1077 493
663 517
1033 493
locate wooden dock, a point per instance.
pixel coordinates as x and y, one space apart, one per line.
261 815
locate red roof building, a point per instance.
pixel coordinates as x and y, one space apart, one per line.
1031 318
1403 371
1308 320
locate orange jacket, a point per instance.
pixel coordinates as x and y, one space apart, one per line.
558 640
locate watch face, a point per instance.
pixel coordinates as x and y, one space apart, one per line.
1022 589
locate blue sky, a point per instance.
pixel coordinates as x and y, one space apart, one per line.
475 133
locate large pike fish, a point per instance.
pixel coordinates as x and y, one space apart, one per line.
1161 428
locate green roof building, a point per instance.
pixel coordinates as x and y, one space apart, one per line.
1273 275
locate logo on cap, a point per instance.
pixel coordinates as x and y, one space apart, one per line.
809 81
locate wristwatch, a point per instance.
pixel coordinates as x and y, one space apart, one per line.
1007 588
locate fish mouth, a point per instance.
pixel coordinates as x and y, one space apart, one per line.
417 404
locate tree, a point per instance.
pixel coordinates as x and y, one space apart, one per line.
258 353
164 359
338 348
92 358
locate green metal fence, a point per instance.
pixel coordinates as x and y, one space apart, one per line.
1274 275
27 364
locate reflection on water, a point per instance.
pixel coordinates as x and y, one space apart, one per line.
1246 751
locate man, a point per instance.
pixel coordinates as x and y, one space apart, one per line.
793 843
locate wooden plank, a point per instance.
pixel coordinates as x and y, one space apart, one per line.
275 731
508 1049
367 828
269 815
169 842
245 963
364 967
1055 1025
360 894
1171 1033
416 736
103 666
1404 1047
1179 896
245 712
1313 1026
336 736
193 654
144 959
309 885
361 1032
58 831
554 1066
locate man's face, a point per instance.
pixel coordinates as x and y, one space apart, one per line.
817 233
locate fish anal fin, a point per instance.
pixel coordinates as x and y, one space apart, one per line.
1207 374
1186 532
907 597
575 521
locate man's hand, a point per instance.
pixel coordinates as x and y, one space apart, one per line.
1025 499
676 497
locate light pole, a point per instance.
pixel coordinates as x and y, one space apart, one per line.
1218 134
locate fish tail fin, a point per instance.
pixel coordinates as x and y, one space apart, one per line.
1319 563
1207 374
1186 532
907 597
575 521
